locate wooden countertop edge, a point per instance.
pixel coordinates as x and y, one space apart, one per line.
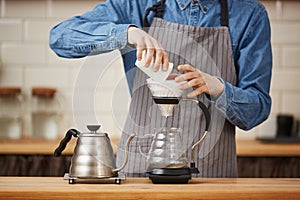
245 147
142 188
126 195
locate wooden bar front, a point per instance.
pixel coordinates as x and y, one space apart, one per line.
142 188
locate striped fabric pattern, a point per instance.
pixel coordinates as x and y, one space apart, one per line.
209 50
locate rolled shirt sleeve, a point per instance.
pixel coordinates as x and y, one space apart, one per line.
100 30
248 103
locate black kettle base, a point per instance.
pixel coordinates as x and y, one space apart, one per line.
170 175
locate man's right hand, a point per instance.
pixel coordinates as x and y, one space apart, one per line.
144 42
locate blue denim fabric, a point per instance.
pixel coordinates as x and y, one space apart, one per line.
104 29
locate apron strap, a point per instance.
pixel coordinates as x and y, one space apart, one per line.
158 8
224 13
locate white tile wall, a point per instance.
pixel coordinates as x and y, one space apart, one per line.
285 32
52 76
290 56
26 61
290 103
283 80
11 30
37 29
25 9
2 8
291 10
65 9
274 10
12 76
20 53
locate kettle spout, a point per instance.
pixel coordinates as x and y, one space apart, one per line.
126 154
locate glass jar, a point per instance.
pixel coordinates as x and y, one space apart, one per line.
45 113
166 149
10 112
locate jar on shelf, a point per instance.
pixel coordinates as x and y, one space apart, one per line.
11 113
45 113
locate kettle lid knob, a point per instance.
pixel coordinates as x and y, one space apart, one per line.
93 128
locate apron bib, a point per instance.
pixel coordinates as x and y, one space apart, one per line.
209 50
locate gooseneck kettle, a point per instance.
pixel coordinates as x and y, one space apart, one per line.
93 156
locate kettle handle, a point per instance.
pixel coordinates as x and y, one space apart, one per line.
64 142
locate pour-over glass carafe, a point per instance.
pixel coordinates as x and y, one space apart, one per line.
166 149
166 160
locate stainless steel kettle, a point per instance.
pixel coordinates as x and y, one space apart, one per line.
93 155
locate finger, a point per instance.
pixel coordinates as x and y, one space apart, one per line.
194 83
139 53
188 76
158 59
158 55
149 56
165 61
186 67
196 92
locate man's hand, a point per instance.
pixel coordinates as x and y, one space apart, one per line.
144 42
200 81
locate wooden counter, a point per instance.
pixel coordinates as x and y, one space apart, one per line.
142 188
244 147
253 148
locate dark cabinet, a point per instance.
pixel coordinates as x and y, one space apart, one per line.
48 165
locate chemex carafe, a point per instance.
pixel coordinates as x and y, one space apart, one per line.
93 157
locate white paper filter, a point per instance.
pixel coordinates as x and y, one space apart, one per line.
166 88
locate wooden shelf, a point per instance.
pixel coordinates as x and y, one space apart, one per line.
253 148
39 146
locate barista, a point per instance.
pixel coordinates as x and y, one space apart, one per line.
229 60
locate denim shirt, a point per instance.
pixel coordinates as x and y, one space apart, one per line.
105 27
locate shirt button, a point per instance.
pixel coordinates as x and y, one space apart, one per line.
182 5
205 9
194 2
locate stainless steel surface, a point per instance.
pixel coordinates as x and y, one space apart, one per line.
93 156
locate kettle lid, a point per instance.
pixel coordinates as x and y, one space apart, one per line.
93 131
93 128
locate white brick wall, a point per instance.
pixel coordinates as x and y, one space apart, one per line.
26 60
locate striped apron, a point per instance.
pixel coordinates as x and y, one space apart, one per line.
209 50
